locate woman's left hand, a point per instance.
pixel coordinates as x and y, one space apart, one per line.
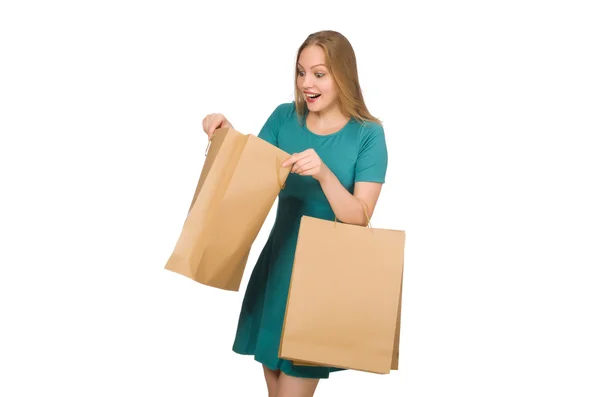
306 163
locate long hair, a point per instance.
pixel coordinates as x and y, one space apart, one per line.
341 61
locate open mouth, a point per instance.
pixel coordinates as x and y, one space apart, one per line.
312 97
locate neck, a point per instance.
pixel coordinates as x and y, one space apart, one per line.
327 117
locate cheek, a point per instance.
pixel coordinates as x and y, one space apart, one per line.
327 87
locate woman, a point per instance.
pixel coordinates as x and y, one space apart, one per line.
339 162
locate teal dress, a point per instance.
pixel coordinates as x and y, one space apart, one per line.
355 153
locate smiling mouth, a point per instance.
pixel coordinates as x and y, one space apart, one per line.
310 98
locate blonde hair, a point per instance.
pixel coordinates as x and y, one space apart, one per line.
341 61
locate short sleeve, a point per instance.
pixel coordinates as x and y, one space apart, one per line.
270 130
372 161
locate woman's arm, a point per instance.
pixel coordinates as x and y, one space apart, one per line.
346 206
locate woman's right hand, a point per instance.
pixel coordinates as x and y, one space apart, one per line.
213 121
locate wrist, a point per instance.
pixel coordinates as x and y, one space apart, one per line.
326 175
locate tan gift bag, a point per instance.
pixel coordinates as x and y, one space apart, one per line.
345 297
239 182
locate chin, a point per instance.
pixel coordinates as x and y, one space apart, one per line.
317 107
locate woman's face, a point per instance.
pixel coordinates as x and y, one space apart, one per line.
314 80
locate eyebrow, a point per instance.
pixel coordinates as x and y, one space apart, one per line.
312 67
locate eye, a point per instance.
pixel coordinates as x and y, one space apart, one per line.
300 73
319 75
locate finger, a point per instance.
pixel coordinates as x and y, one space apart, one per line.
301 163
291 160
206 127
297 157
209 131
310 170
306 153
302 155
216 123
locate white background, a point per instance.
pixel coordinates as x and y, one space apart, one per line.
491 111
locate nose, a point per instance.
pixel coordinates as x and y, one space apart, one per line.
306 81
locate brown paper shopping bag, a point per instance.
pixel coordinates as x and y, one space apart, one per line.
344 301
238 185
395 350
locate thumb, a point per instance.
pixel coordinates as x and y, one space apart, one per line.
214 125
289 161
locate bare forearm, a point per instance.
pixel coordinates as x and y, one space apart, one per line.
345 205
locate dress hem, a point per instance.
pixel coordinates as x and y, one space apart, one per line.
281 368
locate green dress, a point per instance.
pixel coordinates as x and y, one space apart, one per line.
357 152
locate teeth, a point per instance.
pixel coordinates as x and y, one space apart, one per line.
312 95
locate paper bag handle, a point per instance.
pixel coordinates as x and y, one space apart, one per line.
207 146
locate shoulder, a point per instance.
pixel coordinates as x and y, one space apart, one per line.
370 127
279 117
369 131
284 110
